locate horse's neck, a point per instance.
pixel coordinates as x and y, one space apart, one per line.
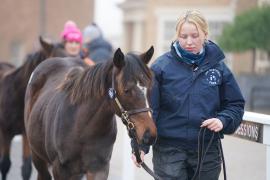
20 78
20 74
101 109
6 72
100 118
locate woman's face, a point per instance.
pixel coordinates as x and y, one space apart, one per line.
191 38
73 48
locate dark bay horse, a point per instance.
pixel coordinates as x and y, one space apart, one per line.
12 91
70 118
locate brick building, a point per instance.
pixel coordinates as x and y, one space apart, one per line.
23 21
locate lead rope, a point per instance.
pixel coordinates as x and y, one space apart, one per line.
138 157
202 153
222 157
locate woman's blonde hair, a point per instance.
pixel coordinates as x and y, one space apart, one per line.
195 17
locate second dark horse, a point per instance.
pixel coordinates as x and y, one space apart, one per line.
12 90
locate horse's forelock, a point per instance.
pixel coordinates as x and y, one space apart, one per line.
136 70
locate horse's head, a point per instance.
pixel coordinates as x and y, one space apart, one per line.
52 50
46 51
131 79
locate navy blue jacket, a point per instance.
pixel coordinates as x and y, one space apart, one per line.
99 50
183 96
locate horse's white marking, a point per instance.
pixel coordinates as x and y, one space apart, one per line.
17 138
144 91
30 78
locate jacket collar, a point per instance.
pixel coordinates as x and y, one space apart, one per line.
213 54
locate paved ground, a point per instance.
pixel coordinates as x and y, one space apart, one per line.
244 160
16 156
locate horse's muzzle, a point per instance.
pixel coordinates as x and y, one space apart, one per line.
148 139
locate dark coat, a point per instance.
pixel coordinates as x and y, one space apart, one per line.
184 96
99 50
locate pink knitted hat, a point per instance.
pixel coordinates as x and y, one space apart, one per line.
71 32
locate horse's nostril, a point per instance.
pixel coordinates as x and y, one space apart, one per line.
147 138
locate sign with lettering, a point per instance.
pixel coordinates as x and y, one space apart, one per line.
250 131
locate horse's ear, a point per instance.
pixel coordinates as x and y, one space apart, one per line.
119 59
46 46
146 57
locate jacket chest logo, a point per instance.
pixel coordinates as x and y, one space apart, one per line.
213 76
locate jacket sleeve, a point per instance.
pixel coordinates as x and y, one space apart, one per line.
232 103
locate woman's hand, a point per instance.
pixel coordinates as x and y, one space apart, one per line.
213 124
135 160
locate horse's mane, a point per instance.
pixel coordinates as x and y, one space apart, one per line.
80 84
24 71
135 69
32 60
5 65
96 80
35 58
6 68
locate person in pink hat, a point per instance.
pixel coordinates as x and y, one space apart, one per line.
72 40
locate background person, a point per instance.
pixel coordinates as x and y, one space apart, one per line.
193 88
98 48
72 40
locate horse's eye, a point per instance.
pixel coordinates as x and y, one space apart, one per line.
126 91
